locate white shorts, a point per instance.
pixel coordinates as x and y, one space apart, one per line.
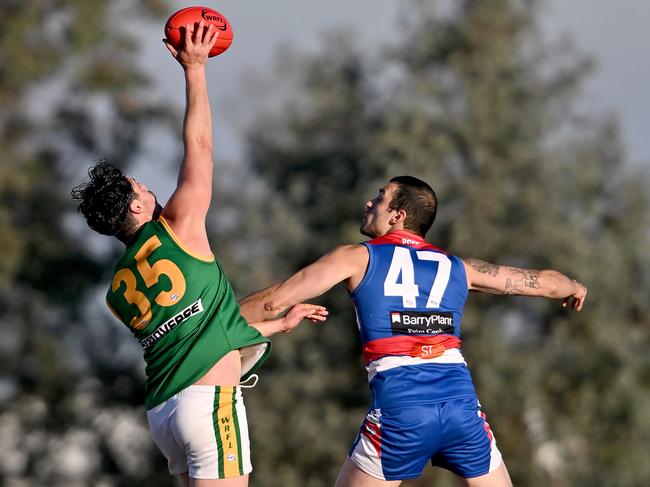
202 431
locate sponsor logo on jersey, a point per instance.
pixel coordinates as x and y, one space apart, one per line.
421 323
193 309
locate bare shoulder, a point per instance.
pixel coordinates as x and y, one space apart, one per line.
191 234
352 259
350 250
355 255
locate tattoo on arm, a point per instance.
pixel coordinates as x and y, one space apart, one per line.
508 280
521 278
483 267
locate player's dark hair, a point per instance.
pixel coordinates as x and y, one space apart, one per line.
104 201
418 200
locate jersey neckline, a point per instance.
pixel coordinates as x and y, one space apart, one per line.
404 237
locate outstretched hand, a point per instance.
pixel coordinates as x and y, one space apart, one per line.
196 45
577 299
301 311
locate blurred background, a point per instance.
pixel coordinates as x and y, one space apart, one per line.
528 118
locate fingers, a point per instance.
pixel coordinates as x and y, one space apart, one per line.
316 318
299 312
194 35
170 48
212 33
307 306
203 34
199 38
573 302
189 31
200 33
312 312
208 33
577 299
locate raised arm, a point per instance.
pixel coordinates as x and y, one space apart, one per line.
344 263
188 206
495 279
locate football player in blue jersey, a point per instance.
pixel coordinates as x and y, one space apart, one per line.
409 298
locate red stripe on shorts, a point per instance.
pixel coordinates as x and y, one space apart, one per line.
372 432
486 425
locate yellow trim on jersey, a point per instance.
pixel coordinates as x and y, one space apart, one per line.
204 258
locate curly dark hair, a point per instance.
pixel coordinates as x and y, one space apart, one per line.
104 200
418 200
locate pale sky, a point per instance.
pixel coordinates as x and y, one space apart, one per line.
615 34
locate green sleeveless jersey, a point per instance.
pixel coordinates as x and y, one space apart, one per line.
183 311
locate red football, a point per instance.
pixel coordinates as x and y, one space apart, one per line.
175 27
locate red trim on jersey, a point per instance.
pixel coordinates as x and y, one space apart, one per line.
404 237
425 347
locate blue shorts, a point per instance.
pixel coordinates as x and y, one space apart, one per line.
396 443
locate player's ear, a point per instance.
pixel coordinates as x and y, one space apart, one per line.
136 206
399 216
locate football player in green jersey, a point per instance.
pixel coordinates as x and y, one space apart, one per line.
169 290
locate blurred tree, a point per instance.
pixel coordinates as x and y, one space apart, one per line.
70 390
472 99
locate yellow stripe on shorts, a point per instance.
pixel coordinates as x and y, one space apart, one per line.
227 433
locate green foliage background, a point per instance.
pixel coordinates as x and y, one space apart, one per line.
471 99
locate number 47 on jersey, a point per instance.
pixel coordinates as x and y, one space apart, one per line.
406 287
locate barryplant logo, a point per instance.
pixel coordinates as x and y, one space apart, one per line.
421 323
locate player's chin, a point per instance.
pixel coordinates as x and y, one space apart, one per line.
365 230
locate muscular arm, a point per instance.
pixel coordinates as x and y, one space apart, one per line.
188 206
495 279
291 320
345 263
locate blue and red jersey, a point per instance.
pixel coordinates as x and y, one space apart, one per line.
409 308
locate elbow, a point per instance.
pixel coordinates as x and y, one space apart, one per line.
204 147
274 308
204 143
200 143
